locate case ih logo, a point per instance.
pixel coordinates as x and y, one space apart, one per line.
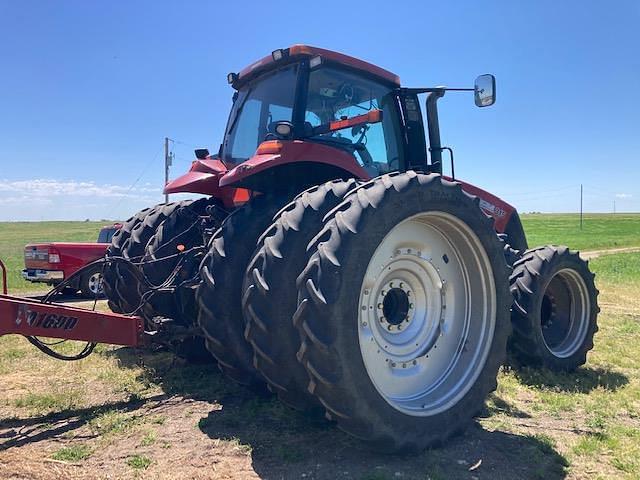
45 320
491 209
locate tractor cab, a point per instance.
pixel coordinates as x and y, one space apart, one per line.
327 99
341 108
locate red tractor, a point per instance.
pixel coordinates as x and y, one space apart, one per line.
333 262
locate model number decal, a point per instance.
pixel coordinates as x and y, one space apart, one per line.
492 209
46 320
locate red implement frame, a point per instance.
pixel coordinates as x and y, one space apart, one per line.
27 317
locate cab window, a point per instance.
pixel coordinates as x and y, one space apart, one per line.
258 105
335 94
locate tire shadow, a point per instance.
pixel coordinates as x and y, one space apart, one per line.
285 444
583 380
23 431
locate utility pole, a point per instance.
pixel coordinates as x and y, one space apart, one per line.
580 206
167 164
614 207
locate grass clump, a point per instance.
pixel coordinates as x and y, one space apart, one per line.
139 462
73 453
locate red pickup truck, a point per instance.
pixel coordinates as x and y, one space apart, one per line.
53 262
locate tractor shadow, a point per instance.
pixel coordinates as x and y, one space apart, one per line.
287 444
17 432
583 380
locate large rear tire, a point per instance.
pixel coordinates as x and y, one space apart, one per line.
270 294
219 293
555 309
404 311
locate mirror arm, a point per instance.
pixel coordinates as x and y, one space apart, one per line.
433 125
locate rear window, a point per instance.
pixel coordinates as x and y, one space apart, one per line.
106 234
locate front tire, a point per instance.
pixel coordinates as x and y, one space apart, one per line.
404 311
555 309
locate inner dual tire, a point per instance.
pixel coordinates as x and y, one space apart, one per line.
404 311
270 294
219 294
555 309
181 232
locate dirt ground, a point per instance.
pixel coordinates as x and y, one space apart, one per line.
237 434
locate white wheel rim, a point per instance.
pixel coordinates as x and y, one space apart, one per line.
565 326
425 363
95 283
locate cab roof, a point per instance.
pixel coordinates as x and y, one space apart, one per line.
295 52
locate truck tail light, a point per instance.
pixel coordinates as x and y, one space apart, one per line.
54 256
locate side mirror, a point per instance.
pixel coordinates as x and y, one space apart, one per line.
485 90
201 153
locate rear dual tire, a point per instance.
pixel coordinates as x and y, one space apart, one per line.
374 379
219 294
150 236
270 294
111 272
182 231
121 283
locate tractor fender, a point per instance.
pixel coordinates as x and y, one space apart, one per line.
204 177
505 215
278 164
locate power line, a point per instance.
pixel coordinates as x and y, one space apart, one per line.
144 170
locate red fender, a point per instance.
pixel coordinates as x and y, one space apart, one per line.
204 177
277 153
497 208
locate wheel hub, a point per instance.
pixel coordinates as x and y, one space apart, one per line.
425 311
565 313
405 308
395 305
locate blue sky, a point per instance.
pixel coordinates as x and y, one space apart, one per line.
88 90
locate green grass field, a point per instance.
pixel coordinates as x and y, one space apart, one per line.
599 231
122 413
15 235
